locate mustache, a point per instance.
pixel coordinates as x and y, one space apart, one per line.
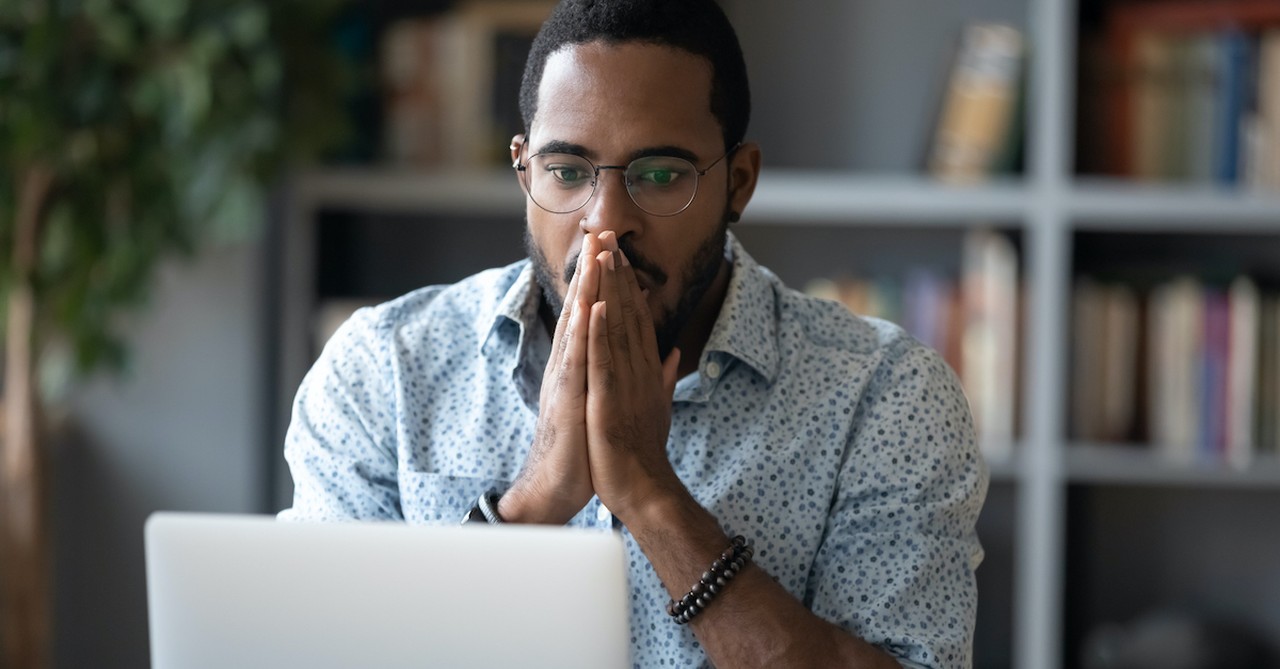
638 263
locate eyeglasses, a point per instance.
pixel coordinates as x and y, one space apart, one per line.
660 185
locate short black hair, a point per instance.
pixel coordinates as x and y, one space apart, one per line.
699 27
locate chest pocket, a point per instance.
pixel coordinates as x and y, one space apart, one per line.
441 498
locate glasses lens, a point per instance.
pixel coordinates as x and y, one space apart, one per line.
559 182
662 185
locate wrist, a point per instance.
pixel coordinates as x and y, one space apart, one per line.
658 508
524 503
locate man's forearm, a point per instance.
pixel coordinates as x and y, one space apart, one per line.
754 622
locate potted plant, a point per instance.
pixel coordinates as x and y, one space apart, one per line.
129 131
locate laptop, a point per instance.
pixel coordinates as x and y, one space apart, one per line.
249 591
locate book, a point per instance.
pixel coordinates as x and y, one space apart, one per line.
989 347
1268 162
1267 417
1202 78
977 121
1087 361
1213 387
1175 368
1242 372
1154 102
1232 105
1105 326
1120 364
413 98
926 306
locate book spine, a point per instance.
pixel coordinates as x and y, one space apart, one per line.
1230 109
979 105
1213 389
989 347
1242 372
1269 109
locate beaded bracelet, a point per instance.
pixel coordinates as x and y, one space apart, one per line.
730 562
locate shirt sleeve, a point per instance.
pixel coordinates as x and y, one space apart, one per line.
340 445
897 562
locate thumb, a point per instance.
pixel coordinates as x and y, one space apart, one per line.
670 371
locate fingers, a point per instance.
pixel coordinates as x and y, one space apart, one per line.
635 309
636 322
671 372
612 298
571 297
588 292
601 376
573 363
581 293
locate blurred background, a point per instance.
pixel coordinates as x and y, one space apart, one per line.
1075 202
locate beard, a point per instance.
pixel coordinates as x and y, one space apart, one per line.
696 277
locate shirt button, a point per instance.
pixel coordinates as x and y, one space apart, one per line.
602 514
713 369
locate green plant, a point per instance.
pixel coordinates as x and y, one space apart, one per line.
130 130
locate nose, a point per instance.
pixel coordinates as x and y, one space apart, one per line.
611 207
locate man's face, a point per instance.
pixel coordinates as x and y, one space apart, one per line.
611 104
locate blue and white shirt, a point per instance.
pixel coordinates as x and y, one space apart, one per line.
842 447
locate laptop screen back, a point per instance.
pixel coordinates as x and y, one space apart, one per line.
248 591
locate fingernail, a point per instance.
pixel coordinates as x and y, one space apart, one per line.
625 262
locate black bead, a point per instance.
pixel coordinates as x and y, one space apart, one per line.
699 588
715 589
708 575
702 602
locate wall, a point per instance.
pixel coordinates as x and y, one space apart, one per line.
181 432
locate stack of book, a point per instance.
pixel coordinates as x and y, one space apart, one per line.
451 82
1191 368
1187 91
971 318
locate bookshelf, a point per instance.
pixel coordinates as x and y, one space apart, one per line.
1077 533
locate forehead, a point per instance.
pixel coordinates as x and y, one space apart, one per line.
618 97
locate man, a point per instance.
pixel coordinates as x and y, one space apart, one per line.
641 371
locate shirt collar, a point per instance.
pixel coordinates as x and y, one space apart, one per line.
519 305
747 327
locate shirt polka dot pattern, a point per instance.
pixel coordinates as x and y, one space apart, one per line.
842 447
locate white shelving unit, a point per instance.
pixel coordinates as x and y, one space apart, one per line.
1045 209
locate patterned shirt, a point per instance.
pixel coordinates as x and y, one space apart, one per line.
840 446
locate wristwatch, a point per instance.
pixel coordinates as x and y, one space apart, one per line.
484 511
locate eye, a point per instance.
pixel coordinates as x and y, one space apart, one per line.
659 172
659 176
568 174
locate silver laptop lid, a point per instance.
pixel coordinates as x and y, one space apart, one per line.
248 591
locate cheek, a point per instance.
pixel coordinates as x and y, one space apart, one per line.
552 242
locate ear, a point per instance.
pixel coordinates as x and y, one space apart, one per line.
517 141
744 171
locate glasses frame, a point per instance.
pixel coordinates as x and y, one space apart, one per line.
522 168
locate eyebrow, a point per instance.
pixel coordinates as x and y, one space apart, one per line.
561 146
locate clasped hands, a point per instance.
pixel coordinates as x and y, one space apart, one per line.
605 406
